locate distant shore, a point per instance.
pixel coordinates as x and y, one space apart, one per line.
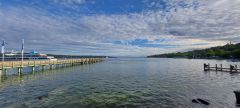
227 59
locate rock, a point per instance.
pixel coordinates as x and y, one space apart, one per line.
237 94
42 96
194 101
203 101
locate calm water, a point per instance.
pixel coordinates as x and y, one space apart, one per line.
137 82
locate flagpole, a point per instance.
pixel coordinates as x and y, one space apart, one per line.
3 45
22 50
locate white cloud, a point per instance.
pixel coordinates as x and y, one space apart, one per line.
70 2
213 22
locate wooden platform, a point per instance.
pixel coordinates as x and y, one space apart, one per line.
231 69
34 63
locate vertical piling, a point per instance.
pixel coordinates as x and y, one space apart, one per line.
235 68
204 66
231 68
5 71
221 67
43 67
20 70
216 67
51 66
33 68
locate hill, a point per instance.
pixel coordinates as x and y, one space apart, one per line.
229 51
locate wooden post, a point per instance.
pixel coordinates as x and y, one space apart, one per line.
221 67
236 68
51 66
43 66
231 68
216 67
19 70
33 68
204 66
5 71
12 64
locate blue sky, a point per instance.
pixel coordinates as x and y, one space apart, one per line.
118 27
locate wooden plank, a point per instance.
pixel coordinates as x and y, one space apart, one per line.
232 69
32 63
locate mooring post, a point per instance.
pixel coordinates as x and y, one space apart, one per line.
12 65
19 70
43 66
231 68
221 67
216 67
236 68
237 94
5 71
204 66
51 66
33 68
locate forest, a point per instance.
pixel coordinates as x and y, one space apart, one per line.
228 51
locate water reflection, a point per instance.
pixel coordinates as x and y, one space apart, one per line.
122 83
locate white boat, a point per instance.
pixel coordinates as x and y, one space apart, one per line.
26 56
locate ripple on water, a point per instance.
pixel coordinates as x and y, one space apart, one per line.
125 83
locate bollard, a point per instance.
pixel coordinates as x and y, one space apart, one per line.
237 94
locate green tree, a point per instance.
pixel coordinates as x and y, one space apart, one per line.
210 53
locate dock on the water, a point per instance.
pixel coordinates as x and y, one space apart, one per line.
51 64
231 69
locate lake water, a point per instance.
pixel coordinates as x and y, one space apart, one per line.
124 83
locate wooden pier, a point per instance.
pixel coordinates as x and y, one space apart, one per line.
51 64
231 69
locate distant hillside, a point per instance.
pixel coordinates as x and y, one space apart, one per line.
229 51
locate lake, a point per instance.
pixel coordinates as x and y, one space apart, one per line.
124 82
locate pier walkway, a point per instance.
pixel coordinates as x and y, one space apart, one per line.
45 63
231 69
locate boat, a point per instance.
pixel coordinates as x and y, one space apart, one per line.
10 56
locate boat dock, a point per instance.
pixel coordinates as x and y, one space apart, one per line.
51 64
231 69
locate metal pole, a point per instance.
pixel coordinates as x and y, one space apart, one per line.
3 62
3 48
22 51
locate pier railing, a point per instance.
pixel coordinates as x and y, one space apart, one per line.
232 68
42 63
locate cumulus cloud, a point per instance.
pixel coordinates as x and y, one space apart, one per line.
70 2
184 24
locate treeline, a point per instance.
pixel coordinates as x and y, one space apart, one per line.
229 51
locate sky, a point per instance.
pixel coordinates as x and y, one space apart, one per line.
118 27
